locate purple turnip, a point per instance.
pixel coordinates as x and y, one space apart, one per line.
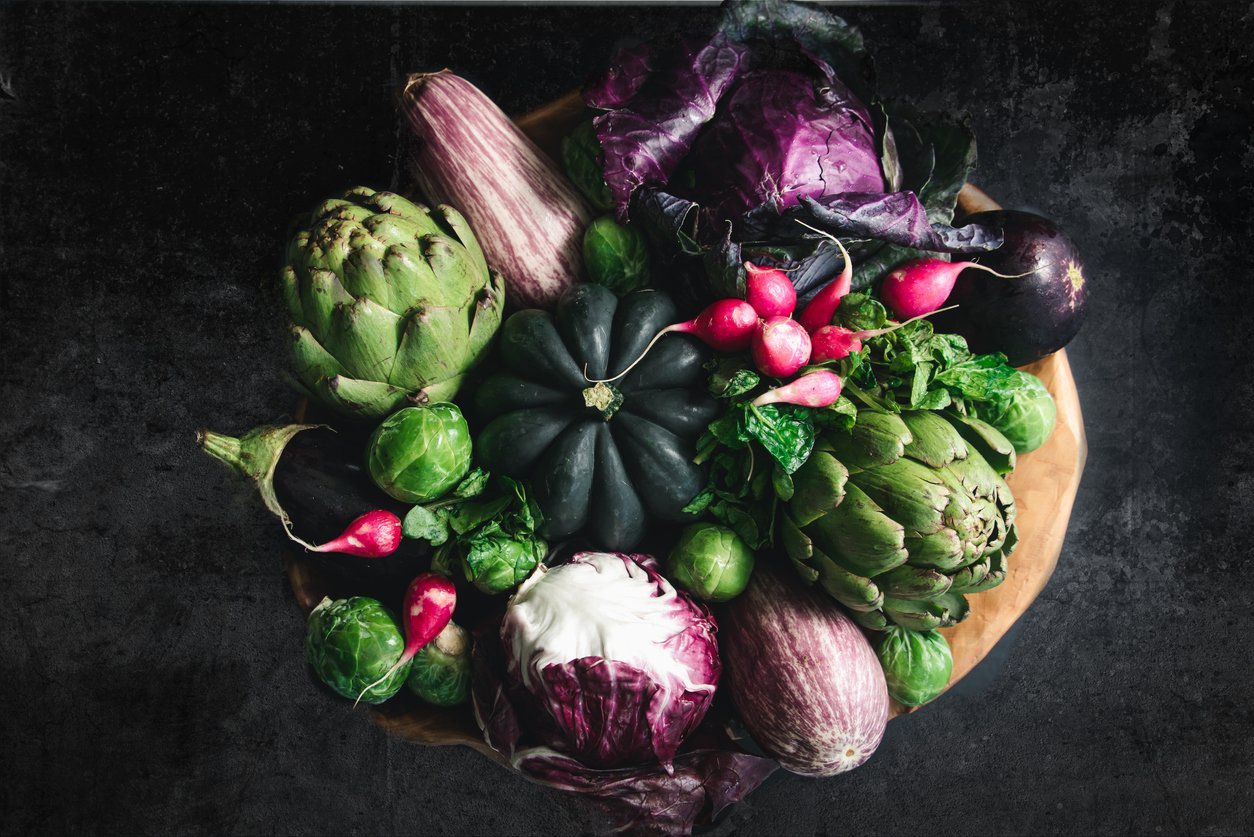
1028 318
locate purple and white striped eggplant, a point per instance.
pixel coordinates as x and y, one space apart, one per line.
527 216
805 681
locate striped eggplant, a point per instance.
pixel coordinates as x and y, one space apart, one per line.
527 216
805 681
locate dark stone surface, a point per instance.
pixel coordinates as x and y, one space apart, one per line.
150 158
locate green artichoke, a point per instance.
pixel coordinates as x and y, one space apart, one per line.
391 303
900 517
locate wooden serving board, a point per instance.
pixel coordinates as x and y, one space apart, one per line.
1044 485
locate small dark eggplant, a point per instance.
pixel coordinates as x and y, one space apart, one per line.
314 480
1025 318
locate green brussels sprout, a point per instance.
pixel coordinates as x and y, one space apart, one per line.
351 643
1025 415
440 671
496 561
615 255
581 157
711 562
917 664
419 453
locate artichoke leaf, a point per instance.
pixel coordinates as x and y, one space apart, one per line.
320 293
934 441
877 438
311 361
289 286
987 440
397 229
970 577
412 282
854 591
873 620
796 543
433 348
859 536
940 550
909 492
485 320
364 277
458 276
364 337
366 399
818 487
457 226
907 582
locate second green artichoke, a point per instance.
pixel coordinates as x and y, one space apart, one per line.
901 517
391 303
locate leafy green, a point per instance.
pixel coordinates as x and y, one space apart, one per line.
581 158
492 539
615 256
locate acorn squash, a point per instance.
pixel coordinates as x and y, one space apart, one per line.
600 458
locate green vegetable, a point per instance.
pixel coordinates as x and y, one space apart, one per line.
440 671
615 256
902 516
711 562
581 157
917 664
419 453
1024 412
391 302
492 539
351 643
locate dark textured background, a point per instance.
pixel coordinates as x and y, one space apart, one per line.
152 679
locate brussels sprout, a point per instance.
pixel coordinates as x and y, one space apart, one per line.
440 671
581 157
351 643
1025 415
917 664
419 453
496 561
711 562
615 255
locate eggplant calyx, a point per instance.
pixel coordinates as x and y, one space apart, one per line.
255 455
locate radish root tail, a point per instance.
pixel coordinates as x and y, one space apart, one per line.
656 337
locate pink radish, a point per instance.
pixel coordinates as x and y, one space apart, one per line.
726 326
921 286
429 603
822 308
780 347
373 535
769 291
820 388
834 342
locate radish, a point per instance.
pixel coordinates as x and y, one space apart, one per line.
373 535
769 291
834 342
780 347
429 604
726 326
820 388
921 286
823 307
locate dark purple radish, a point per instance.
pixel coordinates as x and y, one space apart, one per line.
780 347
834 342
375 534
726 325
820 388
429 603
769 291
822 307
1028 318
921 286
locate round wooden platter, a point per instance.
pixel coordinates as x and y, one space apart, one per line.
1044 485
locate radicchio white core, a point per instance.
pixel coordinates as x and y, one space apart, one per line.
623 663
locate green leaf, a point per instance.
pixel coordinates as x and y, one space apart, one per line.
473 485
786 431
421 523
781 481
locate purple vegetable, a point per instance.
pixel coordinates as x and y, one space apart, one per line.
806 683
652 796
619 664
781 135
